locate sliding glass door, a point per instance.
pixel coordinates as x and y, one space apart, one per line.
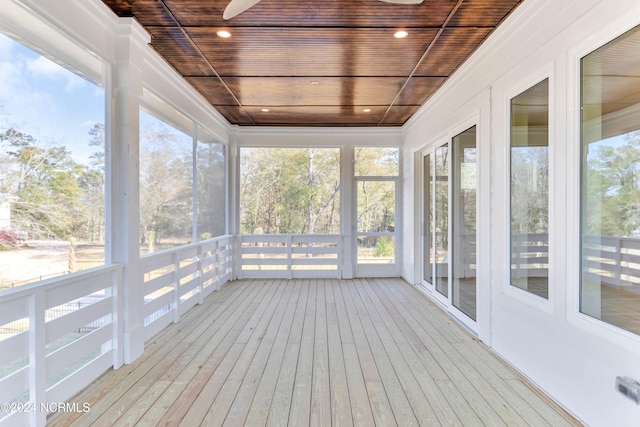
449 222
464 222
441 223
428 252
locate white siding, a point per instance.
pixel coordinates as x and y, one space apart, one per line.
574 358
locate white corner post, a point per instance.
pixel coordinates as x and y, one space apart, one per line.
233 204
347 215
123 181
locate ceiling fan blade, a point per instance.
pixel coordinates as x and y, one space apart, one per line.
403 1
236 7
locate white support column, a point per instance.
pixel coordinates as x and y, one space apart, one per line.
419 226
37 360
484 233
347 213
233 204
194 181
123 177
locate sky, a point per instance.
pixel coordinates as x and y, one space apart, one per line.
42 99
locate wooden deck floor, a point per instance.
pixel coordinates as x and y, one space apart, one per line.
315 352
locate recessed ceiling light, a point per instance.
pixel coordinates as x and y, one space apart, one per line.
265 110
400 34
224 34
367 110
314 82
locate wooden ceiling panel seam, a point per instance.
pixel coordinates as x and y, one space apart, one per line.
351 53
162 3
309 52
465 45
424 55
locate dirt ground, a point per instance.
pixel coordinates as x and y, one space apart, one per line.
40 259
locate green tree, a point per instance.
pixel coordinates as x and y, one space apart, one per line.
210 187
92 183
289 190
376 161
165 185
613 187
529 190
45 180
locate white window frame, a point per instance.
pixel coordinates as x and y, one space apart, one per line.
447 302
378 270
598 328
521 295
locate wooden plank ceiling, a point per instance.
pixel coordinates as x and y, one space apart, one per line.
318 62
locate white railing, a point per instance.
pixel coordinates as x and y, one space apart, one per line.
59 335
609 260
289 255
56 336
612 260
530 255
176 279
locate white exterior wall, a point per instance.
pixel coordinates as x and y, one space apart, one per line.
572 357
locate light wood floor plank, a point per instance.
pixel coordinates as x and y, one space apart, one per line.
368 352
471 407
240 408
119 389
181 375
512 402
346 336
137 410
219 409
202 371
554 415
300 412
259 411
252 337
380 406
195 407
320 415
395 393
367 363
454 332
339 389
427 371
391 337
358 397
200 406
179 397
465 340
281 402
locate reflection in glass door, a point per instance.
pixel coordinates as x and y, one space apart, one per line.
449 222
464 222
441 219
427 221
